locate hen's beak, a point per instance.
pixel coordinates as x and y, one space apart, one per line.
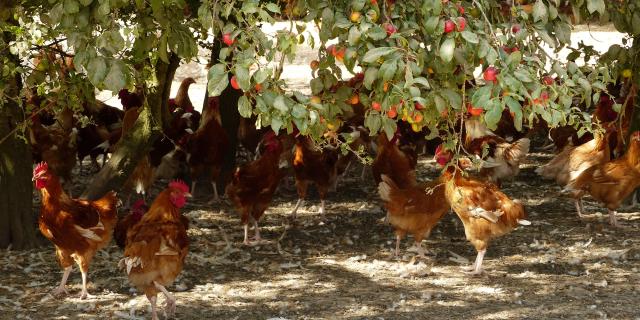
188 195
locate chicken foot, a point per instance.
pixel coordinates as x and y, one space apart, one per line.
476 268
154 311
295 209
256 238
170 307
612 218
216 198
580 208
61 288
84 294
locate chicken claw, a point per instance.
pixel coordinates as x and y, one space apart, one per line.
59 291
85 295
613 220
170 308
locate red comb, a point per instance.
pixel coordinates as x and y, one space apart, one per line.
42 166
180 185
439 149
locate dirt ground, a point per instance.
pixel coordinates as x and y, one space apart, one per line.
341 266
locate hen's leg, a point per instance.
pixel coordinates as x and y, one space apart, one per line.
580 208
476 268
246 234
612 218
61 288
321 207
193 187
170 307
84 294
256 229
398 238
216 198
154 311
363 175
301 186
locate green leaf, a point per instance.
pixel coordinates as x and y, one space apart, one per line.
447 48
316 85
423 81
281 105
514 58
116 78
481 97
244 106
261 75
97 70
218 80
539 11
431 24
469 36
388 69
484 48
440 103
455 100
249 7
515 107
373 54
493 114
370 75
71 6
273 7
596 5
377 33
354 36
299 111
492 56
373 122
276 123
523 75
635 23
162 49
389 126
242 75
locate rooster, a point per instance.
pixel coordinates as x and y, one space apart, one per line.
611 182
77 228
503 158
254 183
484 210
398 164
206 148
414 209
157 245
313 165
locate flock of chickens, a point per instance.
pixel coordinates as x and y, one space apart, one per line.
154 237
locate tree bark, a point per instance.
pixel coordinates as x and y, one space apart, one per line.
635 114
230 118
17 221
137 143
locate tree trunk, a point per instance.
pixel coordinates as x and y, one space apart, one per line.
635 114
17 221
230 117
137 143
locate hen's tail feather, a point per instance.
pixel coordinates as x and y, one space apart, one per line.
385 188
